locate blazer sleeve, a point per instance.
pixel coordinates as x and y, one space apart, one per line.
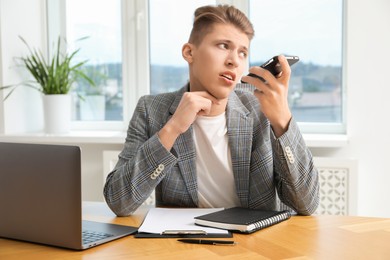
296 178
142 164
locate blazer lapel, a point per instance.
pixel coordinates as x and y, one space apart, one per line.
240 135
184 147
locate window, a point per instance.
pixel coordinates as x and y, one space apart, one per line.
134 48
169 30
100 32
311 30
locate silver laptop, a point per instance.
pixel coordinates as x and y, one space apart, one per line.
40 198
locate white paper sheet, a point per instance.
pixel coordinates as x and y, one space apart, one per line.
159 220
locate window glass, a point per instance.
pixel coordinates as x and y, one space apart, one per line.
170 25
311 30
99 22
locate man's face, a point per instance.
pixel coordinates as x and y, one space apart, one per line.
219 61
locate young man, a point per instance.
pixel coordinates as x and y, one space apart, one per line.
210 144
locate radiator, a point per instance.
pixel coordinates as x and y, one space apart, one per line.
338 186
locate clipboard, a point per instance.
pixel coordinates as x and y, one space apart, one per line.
183 235
178 223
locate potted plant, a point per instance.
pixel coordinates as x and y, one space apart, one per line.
54 79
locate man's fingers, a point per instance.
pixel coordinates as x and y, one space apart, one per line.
285 67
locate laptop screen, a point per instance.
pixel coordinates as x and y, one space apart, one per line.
40 193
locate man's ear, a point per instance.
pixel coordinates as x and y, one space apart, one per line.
187 52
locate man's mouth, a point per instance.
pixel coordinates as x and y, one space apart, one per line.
229 76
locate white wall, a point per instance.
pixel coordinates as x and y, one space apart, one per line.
22 112
92 169
1 80
368 95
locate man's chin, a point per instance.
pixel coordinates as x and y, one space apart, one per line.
224 93
220 96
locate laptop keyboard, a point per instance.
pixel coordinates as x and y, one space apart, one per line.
90 236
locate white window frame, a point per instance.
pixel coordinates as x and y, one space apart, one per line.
136 69
135 57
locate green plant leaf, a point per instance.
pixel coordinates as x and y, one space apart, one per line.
55 75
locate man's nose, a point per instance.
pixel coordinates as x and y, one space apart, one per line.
232 60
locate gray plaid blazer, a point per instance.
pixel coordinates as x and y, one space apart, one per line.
266 169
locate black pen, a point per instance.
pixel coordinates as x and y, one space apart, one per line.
207 242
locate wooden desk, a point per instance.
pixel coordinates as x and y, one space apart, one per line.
314 237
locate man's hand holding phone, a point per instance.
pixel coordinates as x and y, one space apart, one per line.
272 90
273 66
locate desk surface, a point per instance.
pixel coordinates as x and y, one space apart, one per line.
314 237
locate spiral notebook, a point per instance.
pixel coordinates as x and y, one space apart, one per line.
242 220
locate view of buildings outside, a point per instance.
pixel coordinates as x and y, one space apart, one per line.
312 31
102 47
309 29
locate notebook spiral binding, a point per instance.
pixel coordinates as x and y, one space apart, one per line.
270 221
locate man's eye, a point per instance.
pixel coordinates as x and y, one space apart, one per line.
243 54
223 46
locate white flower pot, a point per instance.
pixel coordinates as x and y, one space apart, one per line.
57 113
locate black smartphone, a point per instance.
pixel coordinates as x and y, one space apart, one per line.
273 65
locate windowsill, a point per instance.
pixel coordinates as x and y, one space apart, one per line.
74 137
326 140
118 137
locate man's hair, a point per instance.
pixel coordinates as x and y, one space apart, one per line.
205 17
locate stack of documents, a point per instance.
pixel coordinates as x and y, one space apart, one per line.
178 222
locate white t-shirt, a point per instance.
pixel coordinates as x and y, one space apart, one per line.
216 187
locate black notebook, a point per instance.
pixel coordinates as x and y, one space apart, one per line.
242 220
